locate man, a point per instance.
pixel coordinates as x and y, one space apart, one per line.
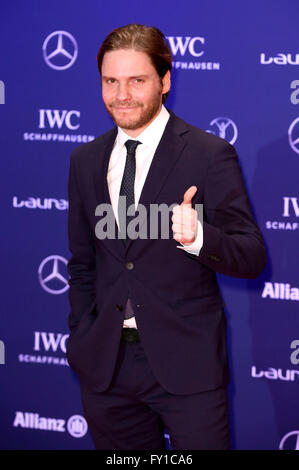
148 329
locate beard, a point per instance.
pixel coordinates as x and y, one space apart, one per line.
140 118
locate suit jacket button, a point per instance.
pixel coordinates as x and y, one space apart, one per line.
119 308
130 266
214 258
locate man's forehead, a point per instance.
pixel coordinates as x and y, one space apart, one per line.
126 59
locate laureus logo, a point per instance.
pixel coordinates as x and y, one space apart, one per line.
225 128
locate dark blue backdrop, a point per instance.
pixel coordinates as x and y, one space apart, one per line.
235 74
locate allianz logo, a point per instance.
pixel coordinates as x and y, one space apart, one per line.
76 425
35 421
280 59
280 291
40 203
289 375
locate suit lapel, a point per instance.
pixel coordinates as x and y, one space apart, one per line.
168 152
102 191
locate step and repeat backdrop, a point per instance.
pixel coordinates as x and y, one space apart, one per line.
235 74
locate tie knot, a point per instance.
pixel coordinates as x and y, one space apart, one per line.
131 146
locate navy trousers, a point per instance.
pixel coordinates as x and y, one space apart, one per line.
135 411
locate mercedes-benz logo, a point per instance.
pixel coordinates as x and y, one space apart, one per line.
226 129
60 50
294 141
293 442
50 277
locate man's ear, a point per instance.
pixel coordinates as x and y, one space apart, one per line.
166 82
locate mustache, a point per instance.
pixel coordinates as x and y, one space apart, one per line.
128 104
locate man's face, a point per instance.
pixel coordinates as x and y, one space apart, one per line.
131 89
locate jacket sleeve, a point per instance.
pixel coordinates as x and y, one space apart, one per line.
232 242
81 266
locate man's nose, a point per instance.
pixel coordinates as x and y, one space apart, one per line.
123 91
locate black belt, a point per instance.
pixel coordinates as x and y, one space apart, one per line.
130 335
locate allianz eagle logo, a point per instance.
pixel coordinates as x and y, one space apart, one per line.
280 59
280 291
290 210
57 119
49 348
76 425
193 48
40 203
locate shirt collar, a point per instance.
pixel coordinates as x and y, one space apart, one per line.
150 136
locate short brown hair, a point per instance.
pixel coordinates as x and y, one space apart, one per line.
141 38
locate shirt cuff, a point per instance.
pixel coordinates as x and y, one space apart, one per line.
195 247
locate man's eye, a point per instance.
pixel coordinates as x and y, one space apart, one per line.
138 80
110 80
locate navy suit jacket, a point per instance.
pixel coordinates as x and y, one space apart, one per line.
175 295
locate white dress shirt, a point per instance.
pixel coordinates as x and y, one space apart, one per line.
149 138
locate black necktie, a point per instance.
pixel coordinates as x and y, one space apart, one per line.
127 187
127 190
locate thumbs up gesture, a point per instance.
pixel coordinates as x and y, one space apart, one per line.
184 219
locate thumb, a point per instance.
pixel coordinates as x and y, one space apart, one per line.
189 194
